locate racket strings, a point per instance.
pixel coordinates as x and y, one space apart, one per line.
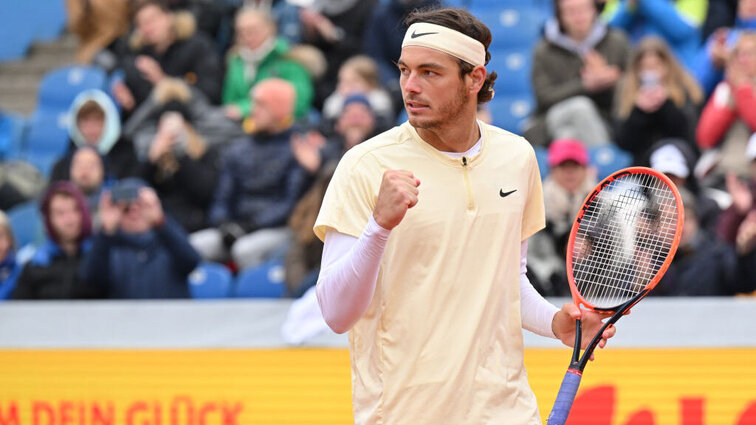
623 239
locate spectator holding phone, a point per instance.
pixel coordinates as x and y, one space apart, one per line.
139 252
53 271
657 99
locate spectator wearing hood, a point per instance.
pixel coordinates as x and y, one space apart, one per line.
165 44
677 21
259 184
9 267
182 168
711 59
95 122
140 252
257 55
54 269
576 67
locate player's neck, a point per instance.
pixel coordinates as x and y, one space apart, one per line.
457 136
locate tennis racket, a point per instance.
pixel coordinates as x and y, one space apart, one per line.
622 241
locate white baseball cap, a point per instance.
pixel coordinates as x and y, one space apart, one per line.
669 159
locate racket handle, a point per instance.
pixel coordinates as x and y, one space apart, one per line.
565 397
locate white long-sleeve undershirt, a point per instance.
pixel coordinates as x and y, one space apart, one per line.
349 271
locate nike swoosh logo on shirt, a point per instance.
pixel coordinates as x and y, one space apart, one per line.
420 34
505 194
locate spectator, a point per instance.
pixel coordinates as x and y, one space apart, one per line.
97 24
576 67
657 99
729 117
677 21
259 184
703 266
383 39
208 120
182 169
88 174
570 180
95 122
676 159
711 59
745 245
359 75
165 44
355 124
259 54
9 267
54 269
743 193
140 252
337 29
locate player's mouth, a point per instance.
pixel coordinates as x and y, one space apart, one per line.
415 107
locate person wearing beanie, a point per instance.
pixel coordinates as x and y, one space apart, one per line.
53 271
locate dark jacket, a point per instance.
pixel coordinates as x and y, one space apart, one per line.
641 130
260 182
192 57
706 267
53 275
155 264
9 271
187 193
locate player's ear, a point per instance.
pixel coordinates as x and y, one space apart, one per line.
477 78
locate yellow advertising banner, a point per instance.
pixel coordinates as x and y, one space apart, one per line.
312 386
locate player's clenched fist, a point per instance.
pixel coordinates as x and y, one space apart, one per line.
397 194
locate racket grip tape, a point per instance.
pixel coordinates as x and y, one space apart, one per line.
565 397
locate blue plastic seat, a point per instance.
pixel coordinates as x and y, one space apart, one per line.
16 32
608 159
49 19
60 86
513 68
48 133
26 222
512 25
12 133
264 281
511 112
210 281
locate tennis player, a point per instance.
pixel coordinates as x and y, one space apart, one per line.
425 229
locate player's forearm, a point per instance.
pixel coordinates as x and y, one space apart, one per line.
536 313
348 275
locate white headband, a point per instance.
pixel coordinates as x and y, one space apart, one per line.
446 40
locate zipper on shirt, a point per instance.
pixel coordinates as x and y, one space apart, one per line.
465 171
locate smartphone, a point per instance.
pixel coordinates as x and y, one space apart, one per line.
124 194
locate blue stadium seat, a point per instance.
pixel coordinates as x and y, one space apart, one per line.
513 68
48 132
49 19
608 159
60 86
542 155
264 281
512 25
26 222
12 132
210 280
511 112
16 32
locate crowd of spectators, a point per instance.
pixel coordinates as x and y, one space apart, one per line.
224 119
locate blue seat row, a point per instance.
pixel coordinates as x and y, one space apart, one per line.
22 22
213 281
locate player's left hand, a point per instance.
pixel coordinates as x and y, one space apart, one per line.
563 326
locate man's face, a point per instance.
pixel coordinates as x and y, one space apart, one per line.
433 92
153 24
577 17
134 221
91 126
87 171
747 9
569 175
5 243
65 218
252 30
745 55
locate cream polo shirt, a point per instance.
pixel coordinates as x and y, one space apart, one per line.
441 342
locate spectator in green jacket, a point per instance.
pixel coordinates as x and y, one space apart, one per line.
257 55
